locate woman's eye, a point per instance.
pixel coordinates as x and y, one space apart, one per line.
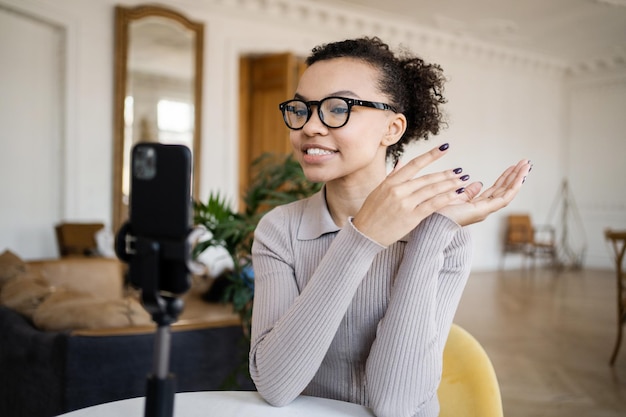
298 112
339 110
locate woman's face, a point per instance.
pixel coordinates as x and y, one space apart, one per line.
356 151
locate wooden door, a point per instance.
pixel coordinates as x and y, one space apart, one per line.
265 81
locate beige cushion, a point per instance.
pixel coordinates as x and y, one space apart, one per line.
69 293
99 277
73 310
11 266
24 293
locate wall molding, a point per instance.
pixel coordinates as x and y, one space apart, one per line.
67 27
357 22
617 3
605 64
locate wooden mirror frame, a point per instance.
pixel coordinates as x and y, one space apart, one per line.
123 17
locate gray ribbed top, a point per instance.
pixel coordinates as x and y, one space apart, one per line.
338 316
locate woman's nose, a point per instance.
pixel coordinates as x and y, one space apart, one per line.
314 125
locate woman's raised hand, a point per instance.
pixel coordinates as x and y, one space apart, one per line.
402 200
473 208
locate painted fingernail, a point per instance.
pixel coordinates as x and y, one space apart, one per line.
457 170
464 178
444 147
524 180
460 190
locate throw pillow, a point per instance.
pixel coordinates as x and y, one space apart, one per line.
11 265
66 310
24 293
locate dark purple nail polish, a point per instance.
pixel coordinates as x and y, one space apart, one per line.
457 170
444 147
464 178
460 190
524 180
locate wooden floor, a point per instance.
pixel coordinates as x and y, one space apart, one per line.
550 336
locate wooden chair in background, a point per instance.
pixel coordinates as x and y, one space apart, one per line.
618 242
77 239
531 241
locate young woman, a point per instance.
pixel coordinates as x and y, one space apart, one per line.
356 287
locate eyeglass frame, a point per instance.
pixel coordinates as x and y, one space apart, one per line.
351 102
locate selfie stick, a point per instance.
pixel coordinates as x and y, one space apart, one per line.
144 257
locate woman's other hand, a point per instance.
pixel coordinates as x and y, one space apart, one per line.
473 208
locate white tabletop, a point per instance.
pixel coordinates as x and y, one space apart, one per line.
229 404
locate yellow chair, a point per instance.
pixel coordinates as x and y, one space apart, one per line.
469 387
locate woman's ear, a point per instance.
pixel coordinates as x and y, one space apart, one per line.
395 129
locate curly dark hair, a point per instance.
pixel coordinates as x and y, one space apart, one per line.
414 87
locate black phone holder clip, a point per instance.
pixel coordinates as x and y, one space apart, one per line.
149 261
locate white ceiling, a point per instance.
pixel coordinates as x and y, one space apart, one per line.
581 33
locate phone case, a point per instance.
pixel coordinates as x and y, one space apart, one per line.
160 200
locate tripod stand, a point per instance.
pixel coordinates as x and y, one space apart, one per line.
570 227
149 259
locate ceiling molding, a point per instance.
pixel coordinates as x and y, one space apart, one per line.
388 27
617 3
601 64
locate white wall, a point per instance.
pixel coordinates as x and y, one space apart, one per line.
503 106
31 205
596 152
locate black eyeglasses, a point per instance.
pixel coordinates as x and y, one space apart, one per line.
334 112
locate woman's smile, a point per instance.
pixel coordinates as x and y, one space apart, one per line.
316 154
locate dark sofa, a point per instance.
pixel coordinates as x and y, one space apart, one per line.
73 335
45 373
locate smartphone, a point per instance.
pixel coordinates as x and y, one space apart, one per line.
161 212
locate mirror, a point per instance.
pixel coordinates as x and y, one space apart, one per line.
158 89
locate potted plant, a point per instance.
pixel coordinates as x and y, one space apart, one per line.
276 180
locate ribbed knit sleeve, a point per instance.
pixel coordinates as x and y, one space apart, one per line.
405 362
337 315
292 327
